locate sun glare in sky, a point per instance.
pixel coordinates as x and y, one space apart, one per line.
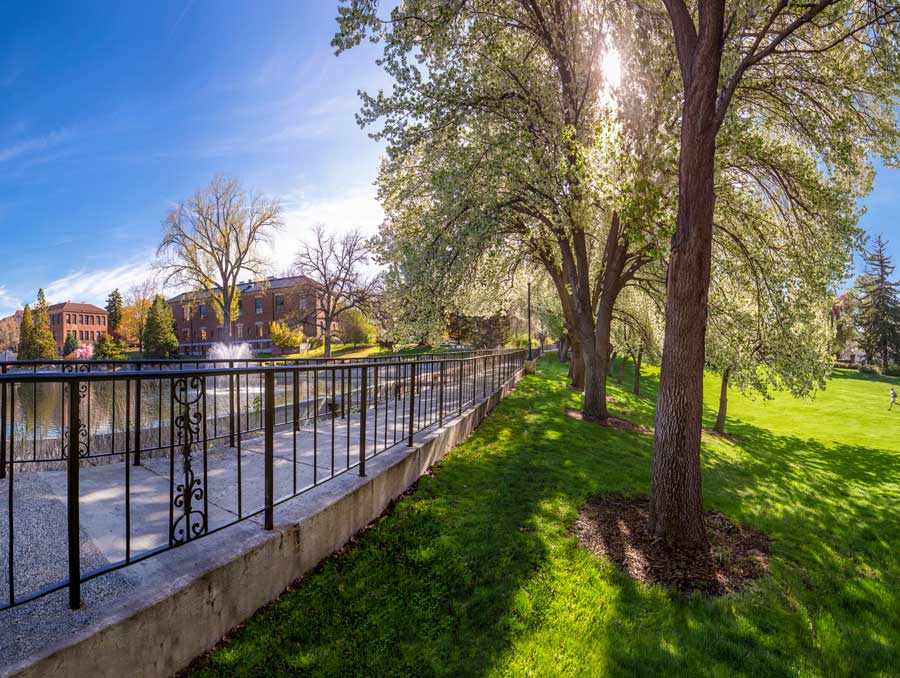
612 67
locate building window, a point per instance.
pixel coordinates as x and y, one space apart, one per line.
186 334
240 331
202 311
68 318
202 333
259 305
279 303
81 320
259 330
103 321
92 335
186 312
81 333
240 305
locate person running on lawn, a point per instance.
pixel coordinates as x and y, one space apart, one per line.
893 398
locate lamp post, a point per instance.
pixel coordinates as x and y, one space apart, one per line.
529 319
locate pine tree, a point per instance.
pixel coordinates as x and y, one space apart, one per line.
42 341
160 340
71 344
26 332
879 306
108 347
114 312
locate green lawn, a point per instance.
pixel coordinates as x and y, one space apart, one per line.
363 351
476 572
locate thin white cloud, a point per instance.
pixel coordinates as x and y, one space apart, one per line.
9 304
93 286
358 209
29 145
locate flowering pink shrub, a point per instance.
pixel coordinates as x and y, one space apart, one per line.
83 352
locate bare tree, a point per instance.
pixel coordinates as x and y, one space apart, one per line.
336 266
213 239
9 333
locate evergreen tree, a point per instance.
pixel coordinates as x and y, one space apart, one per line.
26 332
160 340
879 306
42 342
71 344
114 312
109 347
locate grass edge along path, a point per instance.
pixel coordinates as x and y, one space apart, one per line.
477 572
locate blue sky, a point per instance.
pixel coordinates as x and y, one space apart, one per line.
113 111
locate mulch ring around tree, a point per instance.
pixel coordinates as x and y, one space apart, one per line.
615 527
611 422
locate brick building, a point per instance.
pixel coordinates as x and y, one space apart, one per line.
86 321
291 299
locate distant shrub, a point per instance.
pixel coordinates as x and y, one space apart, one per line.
891 371
870 369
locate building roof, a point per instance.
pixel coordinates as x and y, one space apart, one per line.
78 307
251 286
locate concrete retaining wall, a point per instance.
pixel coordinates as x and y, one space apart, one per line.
221 580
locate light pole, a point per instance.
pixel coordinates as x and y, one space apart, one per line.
529 320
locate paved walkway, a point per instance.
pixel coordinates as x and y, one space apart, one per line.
302 458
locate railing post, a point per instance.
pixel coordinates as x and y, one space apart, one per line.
441 393
363 405
137 418
295 376
461 363
270 448
231 405
72 521
412 401
3 424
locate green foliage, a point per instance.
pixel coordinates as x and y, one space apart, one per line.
481 332
114 306
41 344
160 340
284 336
71 344
26 334
879 306
109 347
870 369
477 583
355 327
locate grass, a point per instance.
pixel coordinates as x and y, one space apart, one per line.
364 351
475 573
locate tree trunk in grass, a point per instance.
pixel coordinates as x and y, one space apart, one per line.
636 389
676 487
723 404
576 367
621 376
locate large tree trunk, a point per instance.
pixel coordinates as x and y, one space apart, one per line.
576 367
723 403
676 490
636 389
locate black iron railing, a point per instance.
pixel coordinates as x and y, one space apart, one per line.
146 457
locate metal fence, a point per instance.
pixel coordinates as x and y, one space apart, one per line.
146 457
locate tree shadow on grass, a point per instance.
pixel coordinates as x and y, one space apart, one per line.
477 571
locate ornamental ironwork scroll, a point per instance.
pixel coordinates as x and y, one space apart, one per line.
84 448
187 397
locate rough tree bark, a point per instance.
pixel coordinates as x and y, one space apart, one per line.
636 389
676 494
723 403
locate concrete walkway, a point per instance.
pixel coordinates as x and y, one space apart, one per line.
233 482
